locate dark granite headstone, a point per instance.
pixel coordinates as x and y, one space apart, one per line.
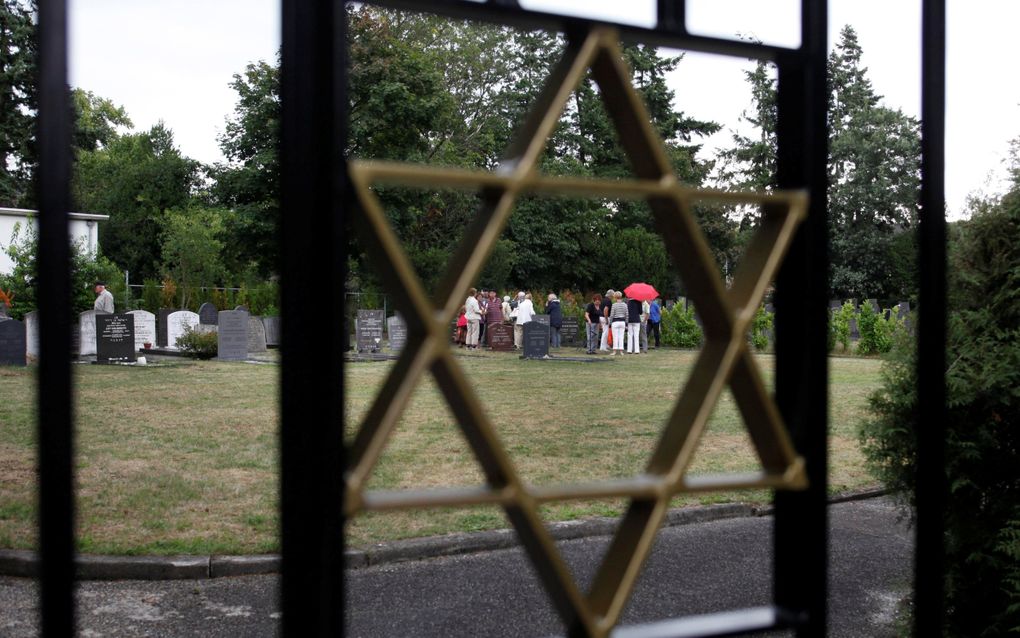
501 337
115 338
208 314
569 332
396 328
161 326
835 304
769 308
542 319
232 335
874 305
536 340
272 326
368 329
256 335
854 332
12 343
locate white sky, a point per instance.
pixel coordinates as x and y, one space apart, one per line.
173 60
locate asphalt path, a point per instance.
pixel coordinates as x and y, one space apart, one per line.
694 569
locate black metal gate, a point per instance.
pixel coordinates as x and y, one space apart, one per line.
320 190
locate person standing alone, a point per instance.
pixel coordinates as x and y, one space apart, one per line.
104 300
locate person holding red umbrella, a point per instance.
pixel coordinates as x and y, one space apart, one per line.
637 293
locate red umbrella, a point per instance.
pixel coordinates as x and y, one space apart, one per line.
641 292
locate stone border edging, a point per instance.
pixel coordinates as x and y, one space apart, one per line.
24 563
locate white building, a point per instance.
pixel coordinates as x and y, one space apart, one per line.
83 227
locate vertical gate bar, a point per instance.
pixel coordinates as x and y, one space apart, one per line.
56 452
801 519
930 488
312 88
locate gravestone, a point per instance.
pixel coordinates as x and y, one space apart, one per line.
12 343
769 308
569 332
256 335
542 319
161 327
835 304
501 337
396 328
75 340
32 334
232 335
368 329
855 334
536 340
244 308
874 306
145 328
272 326
115 338
208 314
902 310
87 332
177 323
669 304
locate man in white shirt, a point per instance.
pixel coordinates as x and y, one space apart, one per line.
473 314
104 300
525 313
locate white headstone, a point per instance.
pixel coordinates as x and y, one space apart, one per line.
32 334
177 323
87 332
145 328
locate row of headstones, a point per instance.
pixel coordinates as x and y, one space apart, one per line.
368 330
117 337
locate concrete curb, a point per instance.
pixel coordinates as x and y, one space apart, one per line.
25 563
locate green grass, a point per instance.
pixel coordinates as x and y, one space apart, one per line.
182 458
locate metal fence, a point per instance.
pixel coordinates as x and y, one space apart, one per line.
317 197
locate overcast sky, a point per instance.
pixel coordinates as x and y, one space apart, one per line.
173 60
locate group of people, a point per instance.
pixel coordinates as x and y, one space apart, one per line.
484 308
621 326
612 323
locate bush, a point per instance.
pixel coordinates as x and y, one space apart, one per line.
839 327
982 523
86 269
876 331
679 327
761 329
198 345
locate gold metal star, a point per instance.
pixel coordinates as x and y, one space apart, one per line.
724 359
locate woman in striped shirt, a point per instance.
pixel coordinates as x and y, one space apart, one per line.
618 321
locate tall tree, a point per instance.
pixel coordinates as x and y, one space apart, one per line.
874 178
17 101
248 183
873 167
97 120
135 179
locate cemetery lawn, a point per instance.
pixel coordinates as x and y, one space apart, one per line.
181 457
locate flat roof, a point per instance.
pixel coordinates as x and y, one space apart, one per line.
26 212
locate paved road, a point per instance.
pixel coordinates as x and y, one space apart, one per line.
694 569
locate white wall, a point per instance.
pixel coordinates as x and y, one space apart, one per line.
83 228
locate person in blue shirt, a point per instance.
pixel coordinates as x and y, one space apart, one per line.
654 318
